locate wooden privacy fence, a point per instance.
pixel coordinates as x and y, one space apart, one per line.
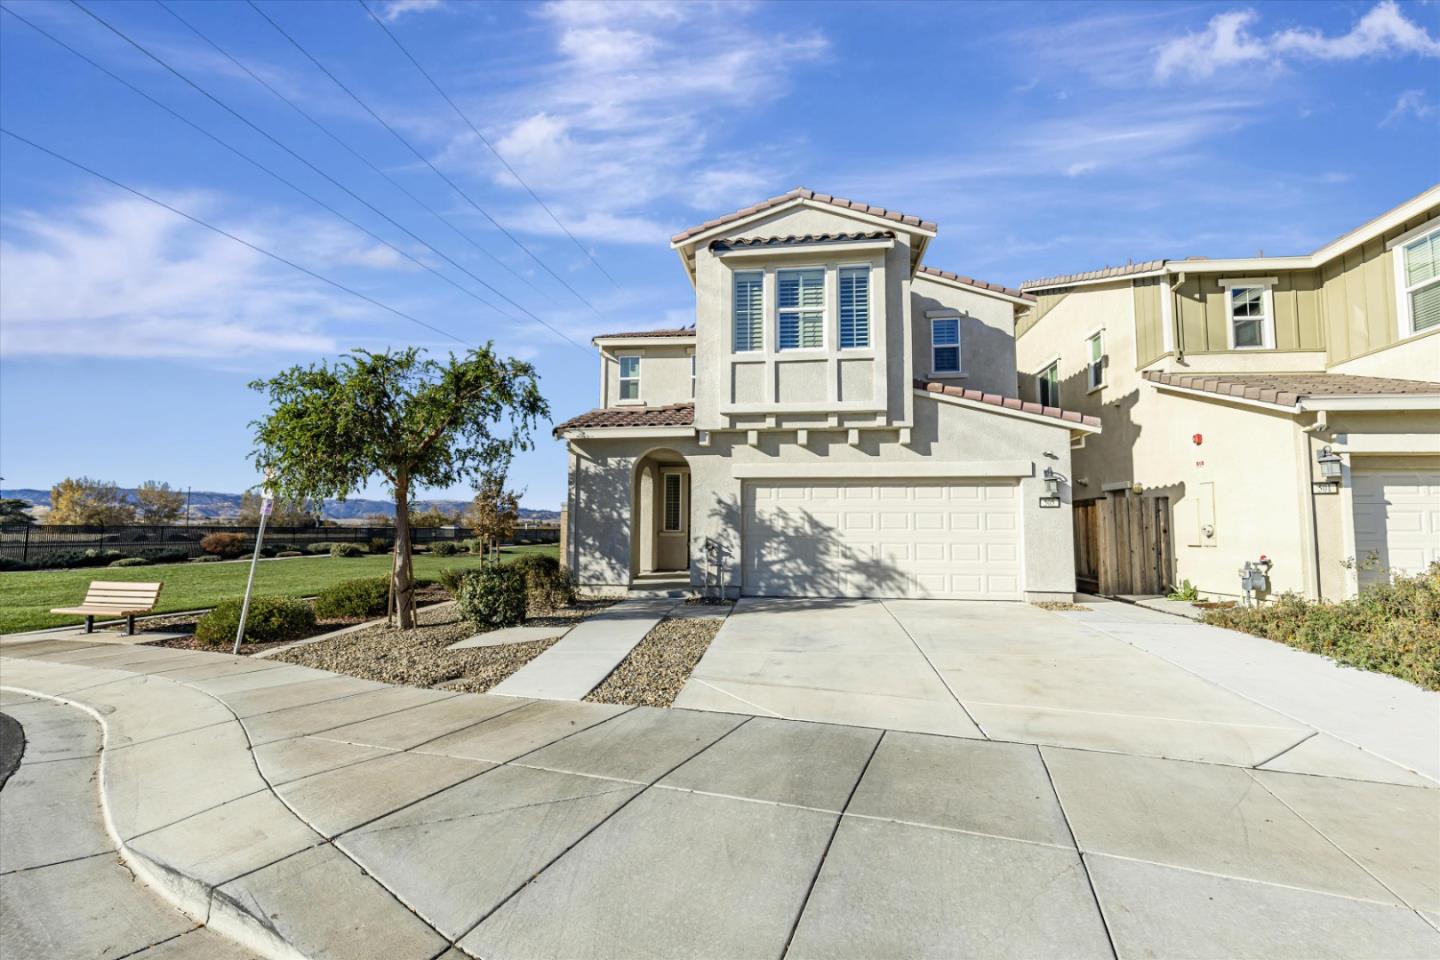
1122 545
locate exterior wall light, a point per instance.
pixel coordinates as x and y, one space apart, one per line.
1052 482
1329 462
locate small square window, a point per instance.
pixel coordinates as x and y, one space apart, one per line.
630 378
945 345
1248 310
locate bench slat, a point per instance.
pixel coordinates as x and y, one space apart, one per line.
115 598
128 584
111 595
101 611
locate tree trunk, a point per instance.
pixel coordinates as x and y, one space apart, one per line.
401 568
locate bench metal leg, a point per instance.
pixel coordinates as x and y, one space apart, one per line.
130 625
89 624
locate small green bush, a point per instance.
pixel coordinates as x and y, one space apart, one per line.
1390 627
364 597
9 563
549 587
208 558
475 546
1185 591
271 620
159 555
128 562
495 595
348 550
380 545
444 548
450 578
319 547
289 553
226 545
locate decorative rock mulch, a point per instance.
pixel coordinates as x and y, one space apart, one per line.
653 673
1061 605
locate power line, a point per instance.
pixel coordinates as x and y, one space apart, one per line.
490 146
225 233
424 159
370 206
256 163
353 152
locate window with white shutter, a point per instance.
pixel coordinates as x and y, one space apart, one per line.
945 345
1418 269
749 312
800 307
854 307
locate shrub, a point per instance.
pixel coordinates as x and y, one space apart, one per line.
380 545
348 550
271 620
208 558
157 555
129 562
9 563
1185 591
226 545
549 588
320 546
475 546
493 596
365 597
71 559
1390 628
450 578
444 548
289 553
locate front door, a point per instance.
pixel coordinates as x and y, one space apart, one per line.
672 550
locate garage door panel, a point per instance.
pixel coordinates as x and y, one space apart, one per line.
1396 520
892 539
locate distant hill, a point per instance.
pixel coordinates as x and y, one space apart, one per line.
208 505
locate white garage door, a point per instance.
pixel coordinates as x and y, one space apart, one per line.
1397 519
868 538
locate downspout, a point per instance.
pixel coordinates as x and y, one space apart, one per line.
1175 329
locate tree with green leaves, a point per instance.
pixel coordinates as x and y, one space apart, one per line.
15 512
81 500
495 509
157 503
411 420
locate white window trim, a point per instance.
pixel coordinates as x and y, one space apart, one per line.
1267 326
869 307
684 512
620 379
1405 324
734 304
1098 334
692 374
826 275
959 345
1055 365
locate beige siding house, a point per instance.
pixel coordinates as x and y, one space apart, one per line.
1230 390
841 420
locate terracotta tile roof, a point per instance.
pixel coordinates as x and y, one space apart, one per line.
802 192
1009 403
1104 273
1287 389
972 282
793 240
672 415
671 332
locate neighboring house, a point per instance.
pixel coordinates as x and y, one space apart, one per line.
1229 387
840 421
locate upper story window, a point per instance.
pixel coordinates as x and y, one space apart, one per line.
1048 385
1417 269
945 345
800 306
1095 365
692 374
854 307
1250 313
630 377
749 312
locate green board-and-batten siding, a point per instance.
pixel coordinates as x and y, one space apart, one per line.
1201 308
1358 296
1149 332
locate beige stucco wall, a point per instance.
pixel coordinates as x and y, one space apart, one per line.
664 373
944 434
987 335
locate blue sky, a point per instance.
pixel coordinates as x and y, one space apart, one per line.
1043 138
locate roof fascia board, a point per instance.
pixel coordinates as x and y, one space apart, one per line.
970 288
1122 278
923 468
1225 397
730 226
1386 221
604 342
1399 401
602 433
1021 414
779 249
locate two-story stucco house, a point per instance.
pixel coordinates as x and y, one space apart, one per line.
1278 406
840 421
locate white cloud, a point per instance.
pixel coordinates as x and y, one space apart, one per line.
624 120
1227 42
395 9
123 277
1410 103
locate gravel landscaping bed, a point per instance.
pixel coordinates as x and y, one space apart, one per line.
1063 605
652 674
419 658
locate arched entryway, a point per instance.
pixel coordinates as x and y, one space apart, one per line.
660 515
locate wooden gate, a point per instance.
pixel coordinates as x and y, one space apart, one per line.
1122 545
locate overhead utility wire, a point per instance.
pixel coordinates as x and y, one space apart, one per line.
425 160
256 163
239 116
483 139
353 152
225 233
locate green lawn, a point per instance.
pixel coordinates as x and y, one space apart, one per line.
27 596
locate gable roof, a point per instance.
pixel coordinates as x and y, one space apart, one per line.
671 415
803 193
633 334
1104 273
793 240
977 284
1291 389
1009 403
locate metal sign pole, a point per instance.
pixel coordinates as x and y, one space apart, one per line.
267 503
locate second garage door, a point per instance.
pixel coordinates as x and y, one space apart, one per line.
1397 520
867 538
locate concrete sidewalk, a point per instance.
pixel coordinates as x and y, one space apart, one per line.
304 814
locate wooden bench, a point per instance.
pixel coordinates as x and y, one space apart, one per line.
113 598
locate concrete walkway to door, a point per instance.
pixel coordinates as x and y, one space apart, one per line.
586 655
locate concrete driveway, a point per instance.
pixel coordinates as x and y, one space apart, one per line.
1017 673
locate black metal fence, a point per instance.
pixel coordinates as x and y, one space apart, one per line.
32 543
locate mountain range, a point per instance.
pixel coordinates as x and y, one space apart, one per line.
209 505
